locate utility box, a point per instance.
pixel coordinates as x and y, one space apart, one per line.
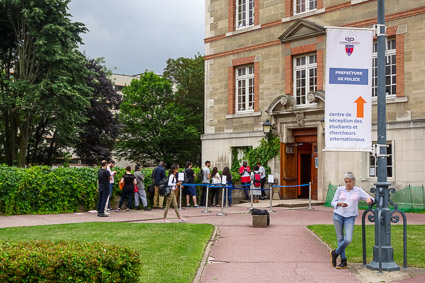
259 221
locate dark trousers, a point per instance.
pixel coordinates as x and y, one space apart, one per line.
263 193
214 194
204 195
103 196
246 189
127 193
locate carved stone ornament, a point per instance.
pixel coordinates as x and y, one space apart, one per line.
300 119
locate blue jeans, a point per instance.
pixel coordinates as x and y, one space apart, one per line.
245 187
343 223
111 185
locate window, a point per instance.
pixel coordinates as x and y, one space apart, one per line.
245 88
390 69
302 6
305 77
244 13
373 163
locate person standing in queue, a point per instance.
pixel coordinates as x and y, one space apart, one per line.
346 203
229 184
128 190
157 175
245 173
190 189
263 179
141 193
103 178
205 180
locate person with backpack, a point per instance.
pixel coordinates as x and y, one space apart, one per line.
256 184
245 173
171 197
128 190
216 186
189 178
205 180
141 193
157 175
263 179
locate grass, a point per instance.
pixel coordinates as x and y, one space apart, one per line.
168 252
415 240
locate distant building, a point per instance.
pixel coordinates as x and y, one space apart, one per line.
266 60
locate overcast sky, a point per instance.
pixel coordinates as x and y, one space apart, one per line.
138 35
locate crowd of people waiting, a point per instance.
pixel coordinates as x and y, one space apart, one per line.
133 186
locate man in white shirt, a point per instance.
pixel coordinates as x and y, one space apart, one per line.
205 180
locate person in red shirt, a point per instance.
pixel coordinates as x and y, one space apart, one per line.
245 173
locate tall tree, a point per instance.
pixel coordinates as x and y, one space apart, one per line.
154 126
187 74
99 132
42 73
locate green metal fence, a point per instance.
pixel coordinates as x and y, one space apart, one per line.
411 198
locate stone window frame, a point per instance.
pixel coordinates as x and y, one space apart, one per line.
244 81
390 61
231 91
232 17
290 8
307 7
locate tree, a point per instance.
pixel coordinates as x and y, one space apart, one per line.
99 132
42 75
188 76
154 126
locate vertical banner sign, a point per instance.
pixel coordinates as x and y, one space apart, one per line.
348 105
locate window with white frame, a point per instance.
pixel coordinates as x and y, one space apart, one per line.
373 163
245 88
302 6
390 69
305 77
244 13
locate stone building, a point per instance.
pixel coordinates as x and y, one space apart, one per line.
265 59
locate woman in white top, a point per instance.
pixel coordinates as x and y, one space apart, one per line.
346 203
216 182
171 198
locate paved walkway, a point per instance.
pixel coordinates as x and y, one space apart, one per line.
285 251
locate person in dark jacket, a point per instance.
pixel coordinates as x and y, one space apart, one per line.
103 177
128 190
157 175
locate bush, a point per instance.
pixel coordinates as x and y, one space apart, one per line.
67 261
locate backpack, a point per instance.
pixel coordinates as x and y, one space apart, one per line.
163 184
200 174
257 179
186 178
256 211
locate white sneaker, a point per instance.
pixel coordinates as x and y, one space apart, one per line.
182 220
165 221
107 213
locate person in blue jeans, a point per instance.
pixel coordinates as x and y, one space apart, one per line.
226 172
346 203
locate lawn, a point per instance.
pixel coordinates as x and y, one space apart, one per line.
415 240
169 252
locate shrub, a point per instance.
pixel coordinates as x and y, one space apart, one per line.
67 261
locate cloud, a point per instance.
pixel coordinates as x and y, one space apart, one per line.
139 35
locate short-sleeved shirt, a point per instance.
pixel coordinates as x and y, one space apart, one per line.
189 174
246 174
103 178
262 172
128 181
205 178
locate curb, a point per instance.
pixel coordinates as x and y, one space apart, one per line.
204 260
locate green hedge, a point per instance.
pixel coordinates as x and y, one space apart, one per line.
67 261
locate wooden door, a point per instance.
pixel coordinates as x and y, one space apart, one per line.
288 170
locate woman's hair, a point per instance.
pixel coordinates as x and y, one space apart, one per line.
171 171
226 172
349 175
137 167
256 168
214 171
128 168
188 164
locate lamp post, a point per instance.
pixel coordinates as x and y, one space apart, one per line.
383 254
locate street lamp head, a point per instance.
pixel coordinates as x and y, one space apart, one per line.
267 127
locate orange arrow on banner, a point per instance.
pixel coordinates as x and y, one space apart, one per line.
360 107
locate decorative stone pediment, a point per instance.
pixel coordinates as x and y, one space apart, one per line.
301 29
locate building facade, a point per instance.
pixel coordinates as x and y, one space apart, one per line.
265 59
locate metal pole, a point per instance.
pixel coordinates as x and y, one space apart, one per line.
180 197
383 253
227 196
252 200
309 195
221 213
206 201
271 202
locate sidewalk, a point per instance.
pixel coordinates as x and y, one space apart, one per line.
286 251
